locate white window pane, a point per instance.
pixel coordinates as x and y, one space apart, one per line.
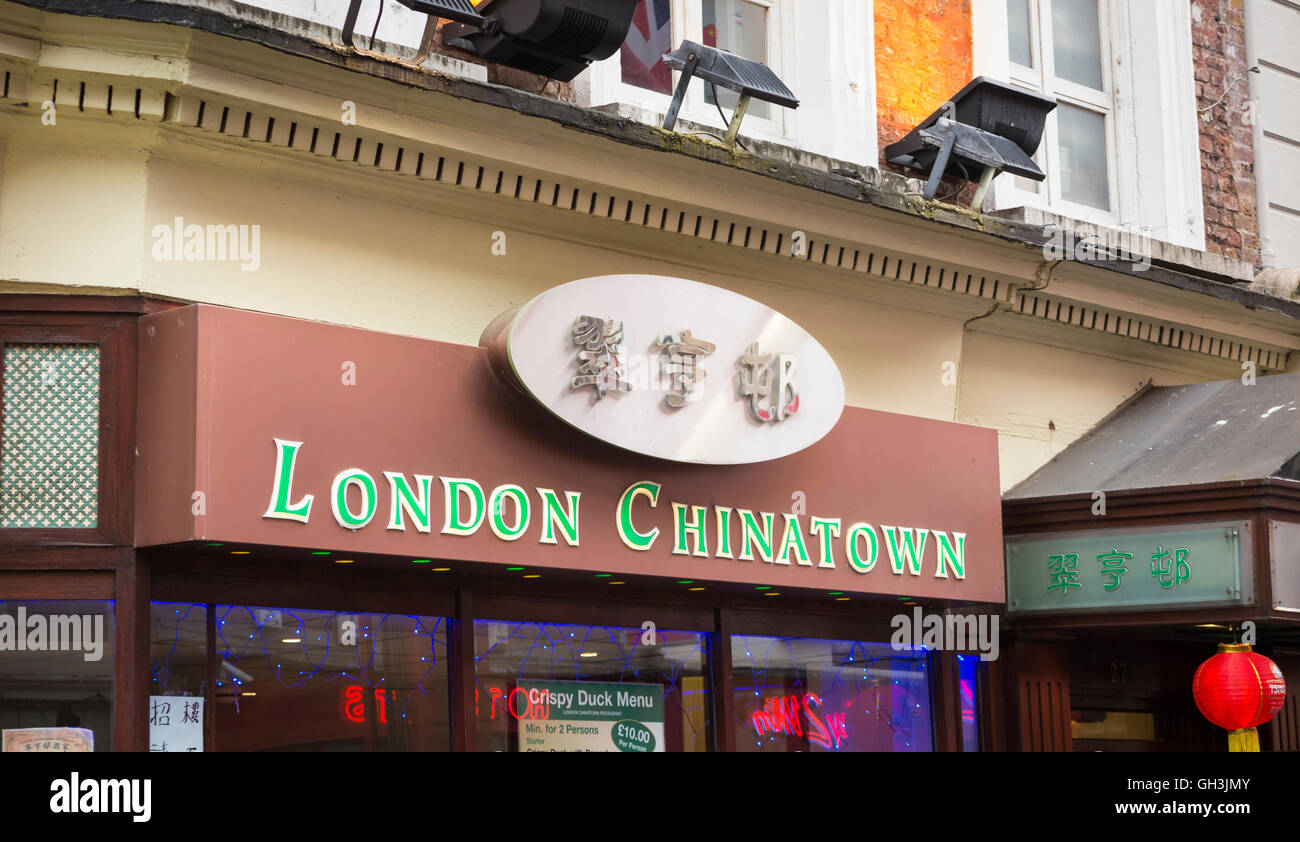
1018 37
741 28
1076 39
1084 175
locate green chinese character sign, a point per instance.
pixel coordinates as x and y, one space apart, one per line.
1088 570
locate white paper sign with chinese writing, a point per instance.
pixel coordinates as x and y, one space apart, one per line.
175 723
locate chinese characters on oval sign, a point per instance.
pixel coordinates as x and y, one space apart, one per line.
602 360
678 355
602 363
670 368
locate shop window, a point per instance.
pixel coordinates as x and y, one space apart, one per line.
49 461
800 694
293 680
542 687
56 675
967 676
178 688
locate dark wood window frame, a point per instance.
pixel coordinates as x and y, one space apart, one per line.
114 333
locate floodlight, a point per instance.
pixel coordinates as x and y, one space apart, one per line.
749 78
553 38
985 129
457 10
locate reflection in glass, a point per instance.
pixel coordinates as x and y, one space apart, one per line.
1076 40
178 649
649 37
330 681
508 653
1018 37
800 694
1084 176
62 677
967 665
741 28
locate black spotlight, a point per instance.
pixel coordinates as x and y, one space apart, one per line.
749 78
985 129
553 38
458 10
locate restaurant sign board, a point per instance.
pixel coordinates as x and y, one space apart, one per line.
592 716
266 430
672 368
1130 569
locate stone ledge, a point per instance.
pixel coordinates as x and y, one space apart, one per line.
1223 269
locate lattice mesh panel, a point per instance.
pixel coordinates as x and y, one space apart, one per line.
49 463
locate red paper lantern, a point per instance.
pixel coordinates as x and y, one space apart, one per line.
1238 689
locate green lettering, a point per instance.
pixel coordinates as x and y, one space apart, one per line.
286 455
634 539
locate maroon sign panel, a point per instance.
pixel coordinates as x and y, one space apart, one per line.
268 430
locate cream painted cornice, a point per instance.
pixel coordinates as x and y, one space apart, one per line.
654 194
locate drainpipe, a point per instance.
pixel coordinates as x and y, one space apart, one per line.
1252 17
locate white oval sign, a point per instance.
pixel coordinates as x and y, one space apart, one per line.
675 369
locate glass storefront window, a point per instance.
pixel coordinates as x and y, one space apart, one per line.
543 687
802 694
967 666
295 680
178 649
330 681
56 673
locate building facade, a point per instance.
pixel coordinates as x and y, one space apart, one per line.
223 232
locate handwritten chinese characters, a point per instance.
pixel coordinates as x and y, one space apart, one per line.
175 723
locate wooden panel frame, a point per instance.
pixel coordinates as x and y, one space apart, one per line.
115 336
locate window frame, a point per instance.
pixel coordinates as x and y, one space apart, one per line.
1041 78
115 336
607 85
1158 177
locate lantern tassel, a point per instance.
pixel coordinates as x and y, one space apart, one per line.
1245 739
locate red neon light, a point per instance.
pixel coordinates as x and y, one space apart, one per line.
354 706
496 694
535 706
782 716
